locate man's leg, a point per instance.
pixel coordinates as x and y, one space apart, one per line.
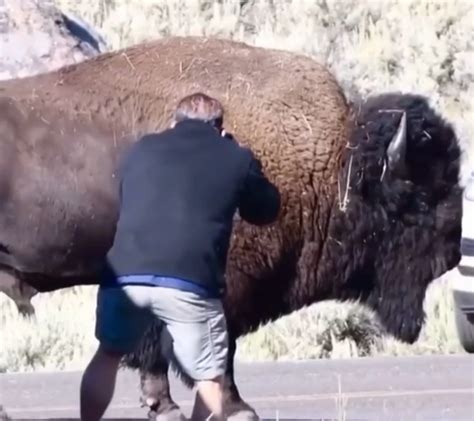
209 400
198 330
98 384
122 318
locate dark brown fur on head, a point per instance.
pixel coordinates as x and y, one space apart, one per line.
400 230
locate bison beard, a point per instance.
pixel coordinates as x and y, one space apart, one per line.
410 229
400 229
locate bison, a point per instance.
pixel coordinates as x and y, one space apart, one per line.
371 201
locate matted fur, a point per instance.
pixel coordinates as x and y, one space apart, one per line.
348 228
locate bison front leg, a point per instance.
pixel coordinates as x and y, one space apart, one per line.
19 291
150 359
235 407
156 396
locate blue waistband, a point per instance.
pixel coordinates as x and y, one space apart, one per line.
161 281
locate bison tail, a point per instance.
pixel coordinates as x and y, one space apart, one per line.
6 259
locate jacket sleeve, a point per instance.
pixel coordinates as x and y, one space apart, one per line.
260 199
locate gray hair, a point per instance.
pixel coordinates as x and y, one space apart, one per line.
199 106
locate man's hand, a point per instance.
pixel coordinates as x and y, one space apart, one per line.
260 199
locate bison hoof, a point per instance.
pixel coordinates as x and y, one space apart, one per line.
173 414
26 310
245 415
241 412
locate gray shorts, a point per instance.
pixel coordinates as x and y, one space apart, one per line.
194 328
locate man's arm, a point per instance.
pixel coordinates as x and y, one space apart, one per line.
259 199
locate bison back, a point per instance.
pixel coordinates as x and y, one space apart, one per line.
286 107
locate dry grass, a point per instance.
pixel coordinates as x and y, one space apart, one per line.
62 335
411 45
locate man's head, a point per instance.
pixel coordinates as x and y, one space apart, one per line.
199 106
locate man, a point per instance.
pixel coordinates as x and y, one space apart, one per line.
179 191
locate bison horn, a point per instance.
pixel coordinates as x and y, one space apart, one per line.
396 151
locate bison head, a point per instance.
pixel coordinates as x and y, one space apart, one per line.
398 227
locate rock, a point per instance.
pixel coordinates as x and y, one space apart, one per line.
35 37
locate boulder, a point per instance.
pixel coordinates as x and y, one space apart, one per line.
35 37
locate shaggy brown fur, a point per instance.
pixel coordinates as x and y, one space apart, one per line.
396 233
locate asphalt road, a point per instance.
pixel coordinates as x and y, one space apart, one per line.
439 388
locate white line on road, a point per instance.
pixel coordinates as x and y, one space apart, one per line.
288 398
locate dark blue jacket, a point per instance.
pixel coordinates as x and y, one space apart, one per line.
179 192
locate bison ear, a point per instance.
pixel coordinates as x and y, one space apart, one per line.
396 151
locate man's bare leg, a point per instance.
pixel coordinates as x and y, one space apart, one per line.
98 385
209 401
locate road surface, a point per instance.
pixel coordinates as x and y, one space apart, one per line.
438 388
